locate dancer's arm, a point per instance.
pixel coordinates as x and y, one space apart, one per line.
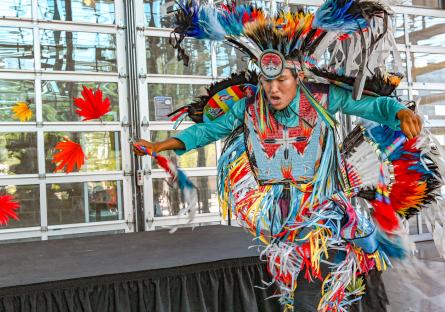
383 110
200 134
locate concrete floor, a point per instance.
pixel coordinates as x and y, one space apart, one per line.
422 293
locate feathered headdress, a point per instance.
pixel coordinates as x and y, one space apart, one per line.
344 41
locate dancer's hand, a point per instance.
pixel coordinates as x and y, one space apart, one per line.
150 146
169 144
410 123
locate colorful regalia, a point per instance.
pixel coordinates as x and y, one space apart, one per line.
309 196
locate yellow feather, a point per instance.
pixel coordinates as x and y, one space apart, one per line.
22 111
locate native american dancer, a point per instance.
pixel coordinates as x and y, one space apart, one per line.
326 209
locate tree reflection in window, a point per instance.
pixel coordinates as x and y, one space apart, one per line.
58 98
18 153
78 51
168 201
102 149
13 91
28 197
80 11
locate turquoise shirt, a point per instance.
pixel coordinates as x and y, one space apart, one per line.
381 109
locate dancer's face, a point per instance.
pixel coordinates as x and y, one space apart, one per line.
281 90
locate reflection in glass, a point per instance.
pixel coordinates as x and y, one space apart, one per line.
167 201
432 4
58 98
161 57
102 149
16 48
16 8
413 228
28 196
202 157
87 11
84 202
398 24
428 67
12 92
393 67
426 30
229 60
402 94
18 153
177 94
157 13
432 103
439 134
84 51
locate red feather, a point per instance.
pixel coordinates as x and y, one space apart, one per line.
385 216
70 155
8 209
91 106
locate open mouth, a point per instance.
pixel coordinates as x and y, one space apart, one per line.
274 100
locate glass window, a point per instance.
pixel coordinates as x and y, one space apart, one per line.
398 24
16 48
168 201
89 11
159 13
392 66
428 67
84 202
413 229
426 30
28 196
439 134
433 4
102 149
16 8
402 94
229 60
58 99
165 98
202 157
161 57
13 92
431 103
18 153
72 51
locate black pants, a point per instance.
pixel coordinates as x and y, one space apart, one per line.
308 295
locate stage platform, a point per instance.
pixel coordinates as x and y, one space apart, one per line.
206 269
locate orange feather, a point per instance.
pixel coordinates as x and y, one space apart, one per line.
70 155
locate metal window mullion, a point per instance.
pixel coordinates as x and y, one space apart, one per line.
40 133
429 86
168 125
15 74
427 49
144 125
178 79
126 188
79 76
86 202
409 77
78 27
156 32
23 179
213 60
76 127
83 176
190 172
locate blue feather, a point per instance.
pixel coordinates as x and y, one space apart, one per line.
391 247
334 16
